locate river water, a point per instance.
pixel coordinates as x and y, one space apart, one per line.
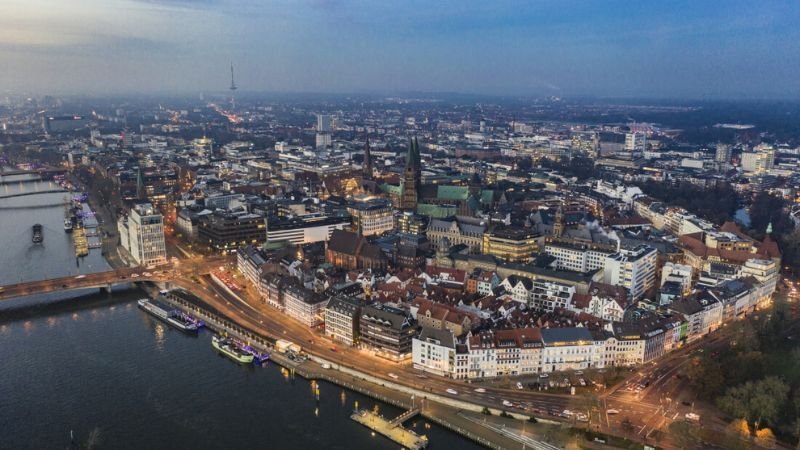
120 379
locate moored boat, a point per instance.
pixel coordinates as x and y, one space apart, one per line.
229 349
168 314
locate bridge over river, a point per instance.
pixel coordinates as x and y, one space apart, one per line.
98 280
105 280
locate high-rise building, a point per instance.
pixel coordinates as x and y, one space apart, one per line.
634 269
142 235
324 123
323 140
635 142
723 154
411 177
760 160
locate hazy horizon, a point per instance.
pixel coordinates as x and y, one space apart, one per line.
679 50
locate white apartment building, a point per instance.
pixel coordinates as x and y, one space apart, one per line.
142 235
678 273
548 295
341 320
567 349
634 269
434 351
304 305
578 257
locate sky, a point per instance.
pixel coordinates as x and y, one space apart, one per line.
567 48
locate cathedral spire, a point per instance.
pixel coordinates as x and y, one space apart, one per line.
367 160
411 177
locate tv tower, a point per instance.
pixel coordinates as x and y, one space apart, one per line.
233 90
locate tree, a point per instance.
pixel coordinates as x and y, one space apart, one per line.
769 209
705 375
790 246
683 434
756 402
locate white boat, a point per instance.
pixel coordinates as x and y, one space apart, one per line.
167 314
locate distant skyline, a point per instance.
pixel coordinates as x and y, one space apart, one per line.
674 49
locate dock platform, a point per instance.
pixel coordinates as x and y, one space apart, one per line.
392 429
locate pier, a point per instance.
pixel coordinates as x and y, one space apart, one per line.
392 429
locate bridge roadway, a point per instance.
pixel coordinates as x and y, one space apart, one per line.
109 278
45 191
92 280
34 171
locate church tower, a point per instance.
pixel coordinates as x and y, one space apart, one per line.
558 225
367 166
411 178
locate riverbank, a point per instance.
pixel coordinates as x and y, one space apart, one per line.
441 410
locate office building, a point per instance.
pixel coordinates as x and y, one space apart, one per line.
341 320
373 216
142 235
305 229
635 142
388 331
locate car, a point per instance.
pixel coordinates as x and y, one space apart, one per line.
582 382
566 413
578 372
544 375
519 385
326 366
147 274
393 376
79 277
480 390
582 417
134 275
612 411
507 404
451 391
693 417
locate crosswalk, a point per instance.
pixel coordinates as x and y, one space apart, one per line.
528 441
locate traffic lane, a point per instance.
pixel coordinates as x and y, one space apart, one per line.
492 397
434 386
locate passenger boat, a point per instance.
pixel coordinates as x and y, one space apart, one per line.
230 350
170 315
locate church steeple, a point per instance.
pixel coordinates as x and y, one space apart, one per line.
367 161
411 177
558 223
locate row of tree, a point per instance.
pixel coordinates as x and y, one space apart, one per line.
717 204
755 379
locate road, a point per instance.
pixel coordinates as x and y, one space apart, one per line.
255 314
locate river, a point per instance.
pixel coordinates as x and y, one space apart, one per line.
120 379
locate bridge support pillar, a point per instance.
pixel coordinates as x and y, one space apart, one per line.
106 289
